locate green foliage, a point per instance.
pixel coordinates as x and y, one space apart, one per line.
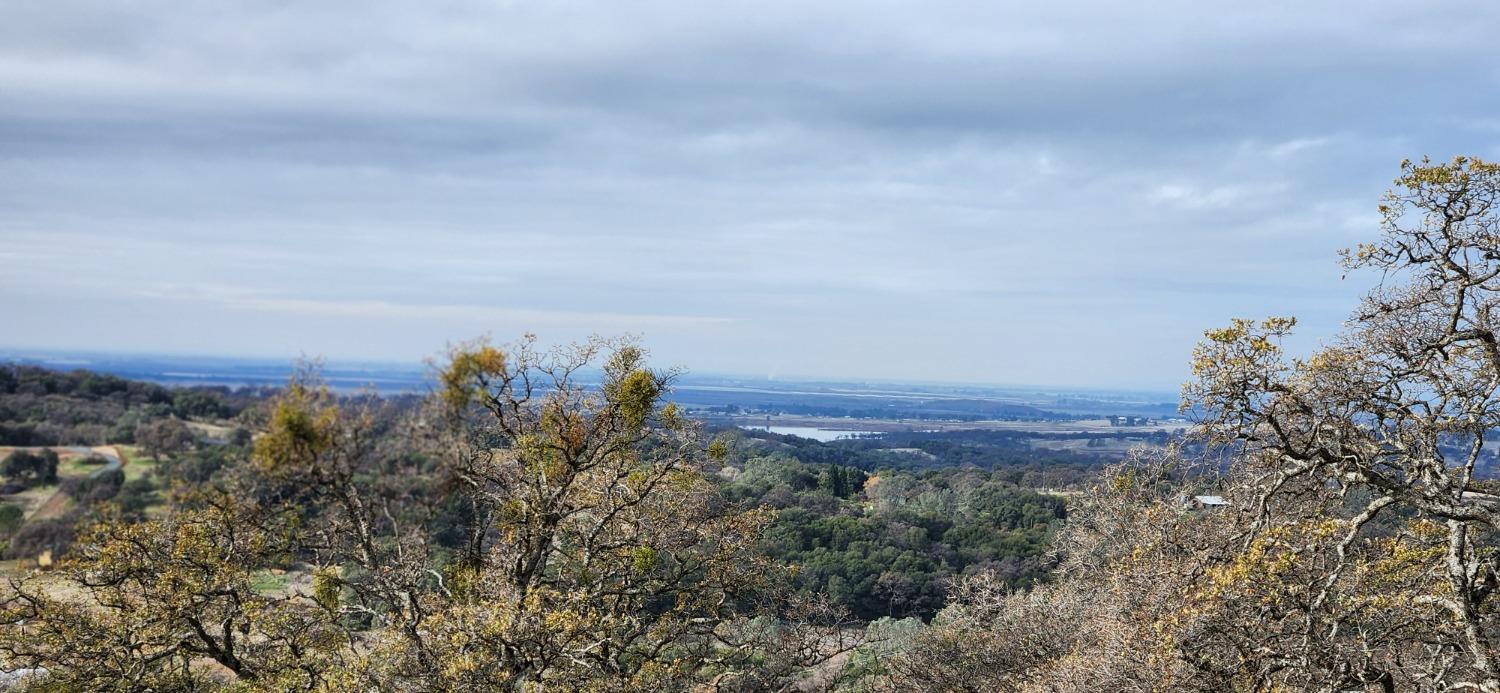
303 426
194 467
95 488
38 536
884 638
471 369
167 436
591 551
27 467
643 559
45 407
839 481
265 582
636 394
326 587
11 516
135 497
1011 453
886 545
505 517
200 404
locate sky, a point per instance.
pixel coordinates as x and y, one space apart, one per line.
1058 192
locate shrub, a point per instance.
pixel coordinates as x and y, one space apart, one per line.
11 517
55 535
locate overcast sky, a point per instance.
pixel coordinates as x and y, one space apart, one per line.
1047 192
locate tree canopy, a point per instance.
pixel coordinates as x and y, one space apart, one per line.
595 552
1357 549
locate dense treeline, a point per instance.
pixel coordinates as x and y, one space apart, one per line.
1009 454
889 543
45 407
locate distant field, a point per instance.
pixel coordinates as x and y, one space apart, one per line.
209 430
31 499
1094 446
906 425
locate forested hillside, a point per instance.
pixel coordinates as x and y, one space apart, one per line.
889 542
46 407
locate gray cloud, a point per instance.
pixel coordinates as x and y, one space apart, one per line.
1064 192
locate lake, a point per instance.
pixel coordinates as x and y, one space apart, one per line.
819 434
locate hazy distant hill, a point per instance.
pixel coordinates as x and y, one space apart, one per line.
727 393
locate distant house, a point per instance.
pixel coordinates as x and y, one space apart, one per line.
1205 503
1129 421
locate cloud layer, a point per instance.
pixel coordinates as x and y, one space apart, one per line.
1064 193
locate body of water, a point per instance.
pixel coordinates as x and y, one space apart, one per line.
818 434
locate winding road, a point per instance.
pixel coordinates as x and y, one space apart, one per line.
57 503
113 457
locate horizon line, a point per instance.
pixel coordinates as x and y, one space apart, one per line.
10 354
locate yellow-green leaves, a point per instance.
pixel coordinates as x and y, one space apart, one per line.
326 586
643 559
718 450
1462 171
628 357
629 387
635 395
1244 349
1434 215
1241 328
470 369
303 426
